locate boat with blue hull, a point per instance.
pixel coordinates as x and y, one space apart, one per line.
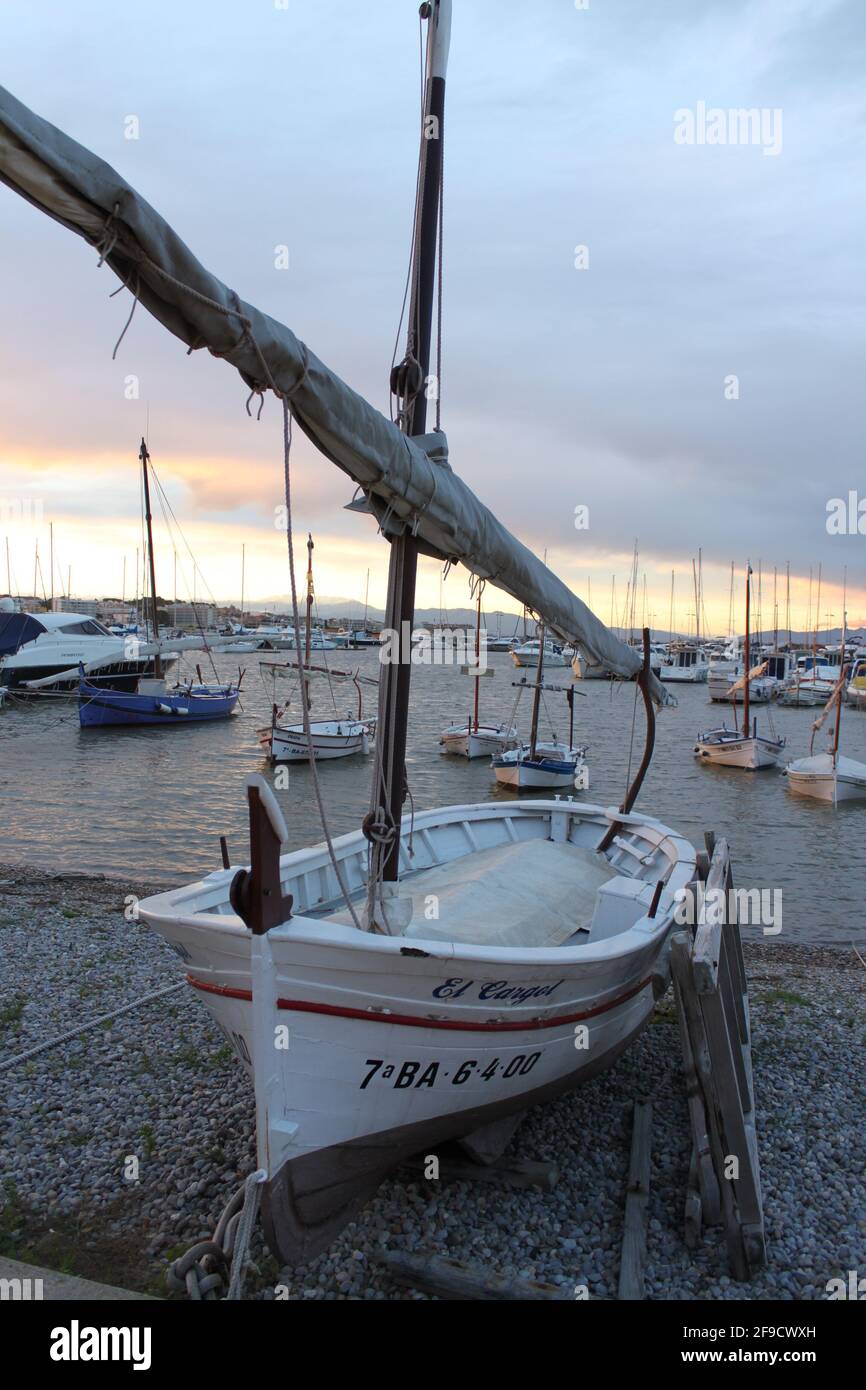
98 708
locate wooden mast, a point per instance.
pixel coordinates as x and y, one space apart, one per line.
145 460
536 700
410 382
747 652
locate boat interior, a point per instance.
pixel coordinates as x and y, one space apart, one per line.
526 875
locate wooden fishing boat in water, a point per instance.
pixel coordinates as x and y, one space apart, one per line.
543 763
432 974
742 748
829 776
473 739
154 703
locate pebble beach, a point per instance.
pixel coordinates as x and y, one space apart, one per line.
120 1145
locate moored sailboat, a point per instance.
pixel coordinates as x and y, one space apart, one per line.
543 763
474 739
829 776
741 748
153 702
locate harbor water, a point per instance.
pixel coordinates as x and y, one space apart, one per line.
149 804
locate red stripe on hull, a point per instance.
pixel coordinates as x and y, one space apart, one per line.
413 1021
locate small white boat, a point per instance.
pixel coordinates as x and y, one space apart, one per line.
828 778
730 748
330 738
527 654
471 740
551 766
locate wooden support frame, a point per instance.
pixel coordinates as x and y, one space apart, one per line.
712 998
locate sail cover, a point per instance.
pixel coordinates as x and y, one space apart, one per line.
408 482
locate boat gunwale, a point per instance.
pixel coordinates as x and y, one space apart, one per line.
303 929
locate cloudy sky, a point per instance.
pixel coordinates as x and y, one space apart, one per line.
262 125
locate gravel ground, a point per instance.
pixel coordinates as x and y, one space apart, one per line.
160 1086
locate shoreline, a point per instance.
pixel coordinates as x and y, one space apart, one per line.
120 1146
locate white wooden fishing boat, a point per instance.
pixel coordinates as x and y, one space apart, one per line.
731 748
398 1042
426 976
473 739
742 748
540 763
828 778
329 738
550 765
470 740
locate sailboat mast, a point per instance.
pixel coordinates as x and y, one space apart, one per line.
403 565
747 651
243 577
841 689
536 700
145 459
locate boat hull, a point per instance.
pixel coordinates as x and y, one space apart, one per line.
483 742
310 1200
99 709
749 753
338 738
553 767
395 1043
817 777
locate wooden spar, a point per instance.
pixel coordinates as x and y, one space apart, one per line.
643 680
409 383
747 651
536 699
145 459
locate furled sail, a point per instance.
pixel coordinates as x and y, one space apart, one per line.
408 482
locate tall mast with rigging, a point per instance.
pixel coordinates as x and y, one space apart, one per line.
148 521
747 651
409 382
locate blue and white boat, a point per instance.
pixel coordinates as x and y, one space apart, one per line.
548 765
153 703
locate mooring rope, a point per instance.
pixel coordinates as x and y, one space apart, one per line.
87 1027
